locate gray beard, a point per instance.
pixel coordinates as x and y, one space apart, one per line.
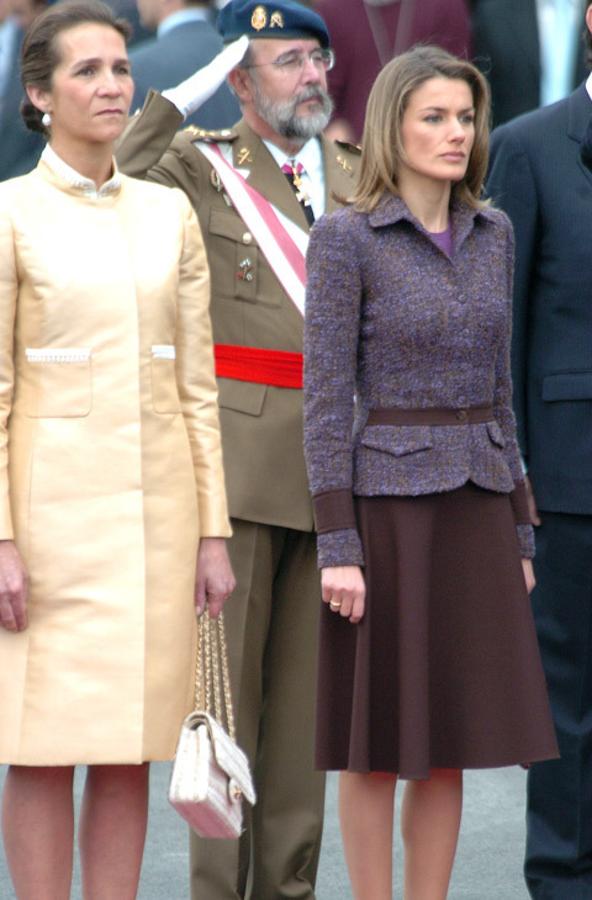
281 116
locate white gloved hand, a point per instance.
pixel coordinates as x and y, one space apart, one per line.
199 87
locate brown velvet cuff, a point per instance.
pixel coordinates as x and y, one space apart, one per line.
520 504
334 511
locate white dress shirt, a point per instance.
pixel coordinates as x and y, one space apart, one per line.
559 24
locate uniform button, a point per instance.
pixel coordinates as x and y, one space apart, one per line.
462 415
247 237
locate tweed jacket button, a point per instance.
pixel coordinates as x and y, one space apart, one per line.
247 237
461 415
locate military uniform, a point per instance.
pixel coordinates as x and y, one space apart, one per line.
272 617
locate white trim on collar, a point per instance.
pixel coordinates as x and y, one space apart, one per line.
589 85
78 181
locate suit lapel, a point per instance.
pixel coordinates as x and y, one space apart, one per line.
262 173
579 115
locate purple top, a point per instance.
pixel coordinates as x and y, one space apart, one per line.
443 239
397 323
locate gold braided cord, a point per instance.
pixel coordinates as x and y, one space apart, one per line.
212 679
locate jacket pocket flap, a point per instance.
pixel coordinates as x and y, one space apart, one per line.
568 386
242 396
228 225
495 433
398 440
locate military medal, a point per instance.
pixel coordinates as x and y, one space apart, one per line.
245 270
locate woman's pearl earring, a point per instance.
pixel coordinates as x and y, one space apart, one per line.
46 120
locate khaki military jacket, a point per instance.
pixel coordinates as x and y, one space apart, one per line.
261 425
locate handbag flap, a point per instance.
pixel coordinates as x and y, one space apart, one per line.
228 754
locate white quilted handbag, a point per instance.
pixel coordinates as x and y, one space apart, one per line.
211 773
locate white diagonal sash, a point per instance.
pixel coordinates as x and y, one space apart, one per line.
279 248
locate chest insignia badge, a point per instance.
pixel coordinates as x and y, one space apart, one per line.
216 181
244 156
345 165
259 18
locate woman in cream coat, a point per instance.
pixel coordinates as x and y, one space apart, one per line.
110 470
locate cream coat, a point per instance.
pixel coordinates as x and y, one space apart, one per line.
110 465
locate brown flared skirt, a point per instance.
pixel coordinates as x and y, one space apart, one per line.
444 669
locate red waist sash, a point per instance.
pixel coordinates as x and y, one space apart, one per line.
278 368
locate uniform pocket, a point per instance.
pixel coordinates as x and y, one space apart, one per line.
398 440
165 396
234 256
61 382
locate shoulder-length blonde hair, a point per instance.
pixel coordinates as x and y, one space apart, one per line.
382 145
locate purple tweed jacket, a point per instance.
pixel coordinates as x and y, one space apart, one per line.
391 319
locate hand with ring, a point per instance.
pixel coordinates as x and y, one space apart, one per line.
344 590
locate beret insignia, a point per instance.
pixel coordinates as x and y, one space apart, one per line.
277 20
259 18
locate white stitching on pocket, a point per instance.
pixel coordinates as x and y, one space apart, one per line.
57 354
163 351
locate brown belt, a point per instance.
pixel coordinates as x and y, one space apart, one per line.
472 415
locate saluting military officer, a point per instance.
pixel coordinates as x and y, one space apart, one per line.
256 189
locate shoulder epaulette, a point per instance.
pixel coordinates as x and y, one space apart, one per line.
211 137
353 148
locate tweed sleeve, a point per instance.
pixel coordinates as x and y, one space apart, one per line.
331 333
504 412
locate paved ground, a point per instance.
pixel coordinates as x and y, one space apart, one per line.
488 865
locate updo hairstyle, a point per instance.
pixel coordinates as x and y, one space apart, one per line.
40 55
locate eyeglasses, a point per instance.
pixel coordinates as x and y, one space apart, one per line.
293 62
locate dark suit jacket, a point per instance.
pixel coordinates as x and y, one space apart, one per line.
538 177
20 148
163 62
506 42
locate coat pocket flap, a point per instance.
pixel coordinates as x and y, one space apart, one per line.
495 434
568 386
398 440
241 396
228 225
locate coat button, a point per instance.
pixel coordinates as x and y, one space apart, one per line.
462 415
247 237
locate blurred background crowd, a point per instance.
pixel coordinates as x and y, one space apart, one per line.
530 50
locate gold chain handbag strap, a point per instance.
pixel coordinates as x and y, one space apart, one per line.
212 680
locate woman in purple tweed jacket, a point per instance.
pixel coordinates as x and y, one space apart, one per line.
428 656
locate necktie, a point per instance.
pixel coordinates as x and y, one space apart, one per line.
293 172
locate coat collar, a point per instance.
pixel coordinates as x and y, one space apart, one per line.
393 209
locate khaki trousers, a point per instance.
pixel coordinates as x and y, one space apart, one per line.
271 624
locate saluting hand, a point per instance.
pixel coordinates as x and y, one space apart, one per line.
14 588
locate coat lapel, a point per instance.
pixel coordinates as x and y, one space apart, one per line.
339 175
262 173
579 117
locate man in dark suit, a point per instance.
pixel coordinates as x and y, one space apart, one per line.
19 148
527 49
541 174
185 41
